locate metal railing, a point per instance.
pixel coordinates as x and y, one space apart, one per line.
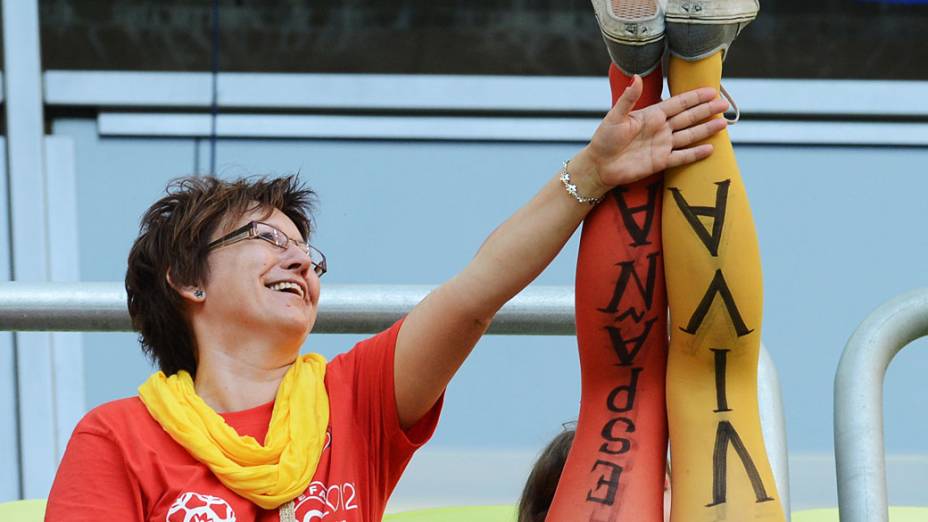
63 307
538 310
859 452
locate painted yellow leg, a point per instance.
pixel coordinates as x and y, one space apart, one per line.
720 467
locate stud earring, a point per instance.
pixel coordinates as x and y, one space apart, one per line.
199 293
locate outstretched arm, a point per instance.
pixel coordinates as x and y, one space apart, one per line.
440 331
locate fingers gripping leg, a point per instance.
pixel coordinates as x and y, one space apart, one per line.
720 467
615 469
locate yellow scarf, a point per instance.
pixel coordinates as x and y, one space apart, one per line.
270 474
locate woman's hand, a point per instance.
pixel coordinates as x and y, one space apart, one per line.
630 145
440 332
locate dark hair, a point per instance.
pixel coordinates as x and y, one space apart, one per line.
173 236
542 481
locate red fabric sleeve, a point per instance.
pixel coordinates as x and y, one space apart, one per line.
93 482
374 397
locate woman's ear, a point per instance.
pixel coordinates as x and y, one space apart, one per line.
193 294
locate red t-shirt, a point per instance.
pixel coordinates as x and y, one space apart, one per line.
121 465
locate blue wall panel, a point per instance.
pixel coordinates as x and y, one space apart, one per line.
840 232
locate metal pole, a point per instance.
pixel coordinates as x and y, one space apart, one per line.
859 452
773 424
539 310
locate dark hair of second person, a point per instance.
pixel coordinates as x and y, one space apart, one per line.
542 481
546 473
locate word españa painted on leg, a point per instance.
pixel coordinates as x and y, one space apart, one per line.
639 234
645 289
620 343
616 441
621 400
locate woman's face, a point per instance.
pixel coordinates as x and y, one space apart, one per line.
243 295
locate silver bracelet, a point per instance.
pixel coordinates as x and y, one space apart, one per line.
572 189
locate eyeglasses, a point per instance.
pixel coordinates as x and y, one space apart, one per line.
274 236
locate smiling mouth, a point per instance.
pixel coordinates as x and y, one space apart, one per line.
288 288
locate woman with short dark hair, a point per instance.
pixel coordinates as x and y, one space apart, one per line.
173 249
223 287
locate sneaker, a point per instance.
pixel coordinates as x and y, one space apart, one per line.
634 33
697 29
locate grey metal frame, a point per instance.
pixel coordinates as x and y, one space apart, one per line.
67 358
859 452
482 128
511 108
524 94
29 242
9 430
538 310
44 371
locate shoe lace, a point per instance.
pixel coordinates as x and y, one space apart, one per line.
734 107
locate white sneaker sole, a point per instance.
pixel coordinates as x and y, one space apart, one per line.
630 22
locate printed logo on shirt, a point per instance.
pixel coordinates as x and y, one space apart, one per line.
323 502
194 507
320 501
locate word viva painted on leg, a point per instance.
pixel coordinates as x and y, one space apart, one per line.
726 435
632 327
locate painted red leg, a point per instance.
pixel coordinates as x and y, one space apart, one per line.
615 469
